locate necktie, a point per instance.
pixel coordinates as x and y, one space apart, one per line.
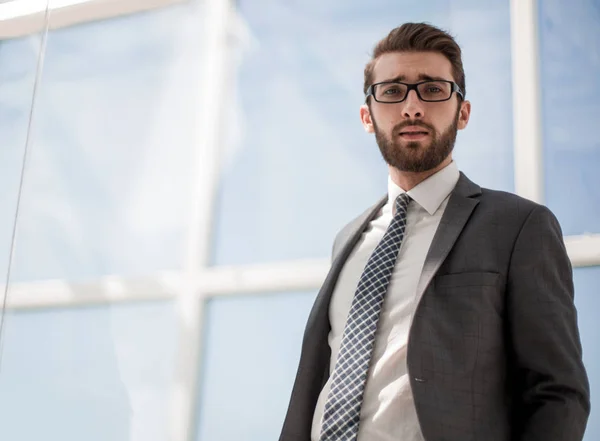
341 415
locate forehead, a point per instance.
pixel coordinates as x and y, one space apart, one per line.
412 66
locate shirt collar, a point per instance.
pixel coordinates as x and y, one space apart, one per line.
430 193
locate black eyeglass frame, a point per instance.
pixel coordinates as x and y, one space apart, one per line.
409 87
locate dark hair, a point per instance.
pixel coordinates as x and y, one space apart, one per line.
419 37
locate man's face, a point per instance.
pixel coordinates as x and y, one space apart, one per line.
415 136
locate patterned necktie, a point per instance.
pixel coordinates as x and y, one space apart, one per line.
341 415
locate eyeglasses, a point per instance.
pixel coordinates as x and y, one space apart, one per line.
429 91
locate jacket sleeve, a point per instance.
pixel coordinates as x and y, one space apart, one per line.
552 400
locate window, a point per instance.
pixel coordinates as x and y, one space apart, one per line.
182 164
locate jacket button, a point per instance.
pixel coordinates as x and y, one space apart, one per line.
420 380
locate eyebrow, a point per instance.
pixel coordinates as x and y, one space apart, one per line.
420 77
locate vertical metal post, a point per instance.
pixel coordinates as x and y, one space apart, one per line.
528 154
190 300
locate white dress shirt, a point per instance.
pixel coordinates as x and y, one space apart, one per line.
388 410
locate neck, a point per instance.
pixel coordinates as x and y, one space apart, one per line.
409 180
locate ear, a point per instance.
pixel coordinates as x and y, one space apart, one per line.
464 115
365 117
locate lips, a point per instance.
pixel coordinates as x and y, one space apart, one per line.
414 130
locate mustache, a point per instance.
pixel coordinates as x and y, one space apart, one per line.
398 127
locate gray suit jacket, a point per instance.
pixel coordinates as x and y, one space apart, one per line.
494 352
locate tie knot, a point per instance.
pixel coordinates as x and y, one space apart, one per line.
402 202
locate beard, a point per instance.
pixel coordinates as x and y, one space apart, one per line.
415 156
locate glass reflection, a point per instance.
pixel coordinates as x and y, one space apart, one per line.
109 169
97 373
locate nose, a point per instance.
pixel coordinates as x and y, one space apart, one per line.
413 106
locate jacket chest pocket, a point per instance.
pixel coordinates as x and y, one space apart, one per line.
460 280
480 293
461 321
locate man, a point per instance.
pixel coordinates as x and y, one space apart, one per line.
448 311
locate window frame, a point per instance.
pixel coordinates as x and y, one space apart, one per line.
19 18
584 250
198 281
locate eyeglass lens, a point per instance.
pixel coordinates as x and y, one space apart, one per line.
428 91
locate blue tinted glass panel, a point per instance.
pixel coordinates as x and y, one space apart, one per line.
18 65
251 353
95 374
570 72
588 305
109 172
297 164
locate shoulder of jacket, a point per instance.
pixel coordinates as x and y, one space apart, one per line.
348 230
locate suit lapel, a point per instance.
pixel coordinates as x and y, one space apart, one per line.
348 239
461 204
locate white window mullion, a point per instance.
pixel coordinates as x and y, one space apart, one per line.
527 128
294 275
190 302
584 250
61 293
276 277
25 17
